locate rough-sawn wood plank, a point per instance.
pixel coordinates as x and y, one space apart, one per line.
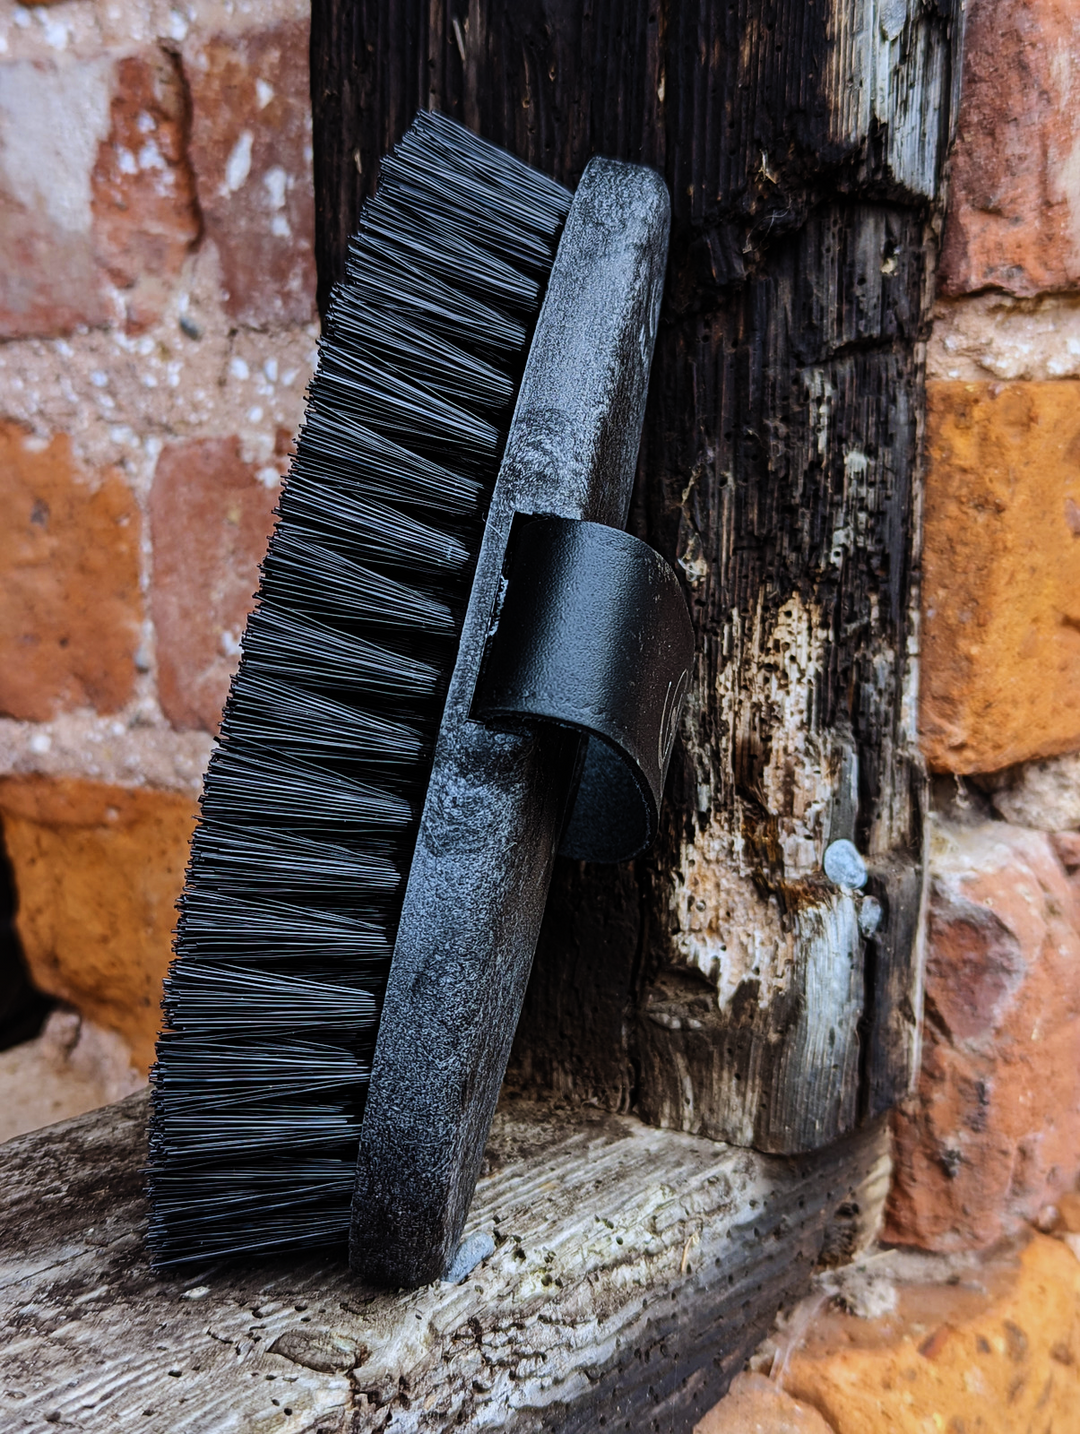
634 1269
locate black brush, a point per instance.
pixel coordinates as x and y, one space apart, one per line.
379 819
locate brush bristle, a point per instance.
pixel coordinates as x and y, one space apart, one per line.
312 799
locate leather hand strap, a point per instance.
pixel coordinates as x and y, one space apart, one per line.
593 634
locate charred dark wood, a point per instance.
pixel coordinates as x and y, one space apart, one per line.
723 985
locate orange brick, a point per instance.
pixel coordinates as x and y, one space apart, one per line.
98 870
1014 206
210 517
996 1353
69 570
1000 675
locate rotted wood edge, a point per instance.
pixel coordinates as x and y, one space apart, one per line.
634 1270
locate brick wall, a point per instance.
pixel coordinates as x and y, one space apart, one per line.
158 331
993 1134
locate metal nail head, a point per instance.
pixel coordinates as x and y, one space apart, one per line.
844 865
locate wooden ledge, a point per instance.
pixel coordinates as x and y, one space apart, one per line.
634 1270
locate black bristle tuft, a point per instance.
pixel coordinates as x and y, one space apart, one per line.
311 801
268 714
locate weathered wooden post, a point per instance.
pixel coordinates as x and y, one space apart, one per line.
725 985
743 983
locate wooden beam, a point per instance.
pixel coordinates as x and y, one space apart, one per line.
634 1270
723 985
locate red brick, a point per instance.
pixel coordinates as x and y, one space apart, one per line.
98 870
69 571
210 517
1013 219
1000 671
251 150
993 1132
145 214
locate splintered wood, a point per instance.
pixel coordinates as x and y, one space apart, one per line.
634 1269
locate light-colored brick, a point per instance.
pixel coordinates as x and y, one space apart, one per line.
98 870
1000 672
1044 795
71 1067
97 201
53 118
69 569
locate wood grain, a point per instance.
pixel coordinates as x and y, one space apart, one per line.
634 1270
803 142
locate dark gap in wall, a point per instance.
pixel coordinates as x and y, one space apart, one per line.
960 800
23 1007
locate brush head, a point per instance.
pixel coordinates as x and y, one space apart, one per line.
312 799
402 739
613 637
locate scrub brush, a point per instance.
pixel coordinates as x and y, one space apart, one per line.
378 823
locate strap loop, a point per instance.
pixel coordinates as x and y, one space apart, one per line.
594 634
